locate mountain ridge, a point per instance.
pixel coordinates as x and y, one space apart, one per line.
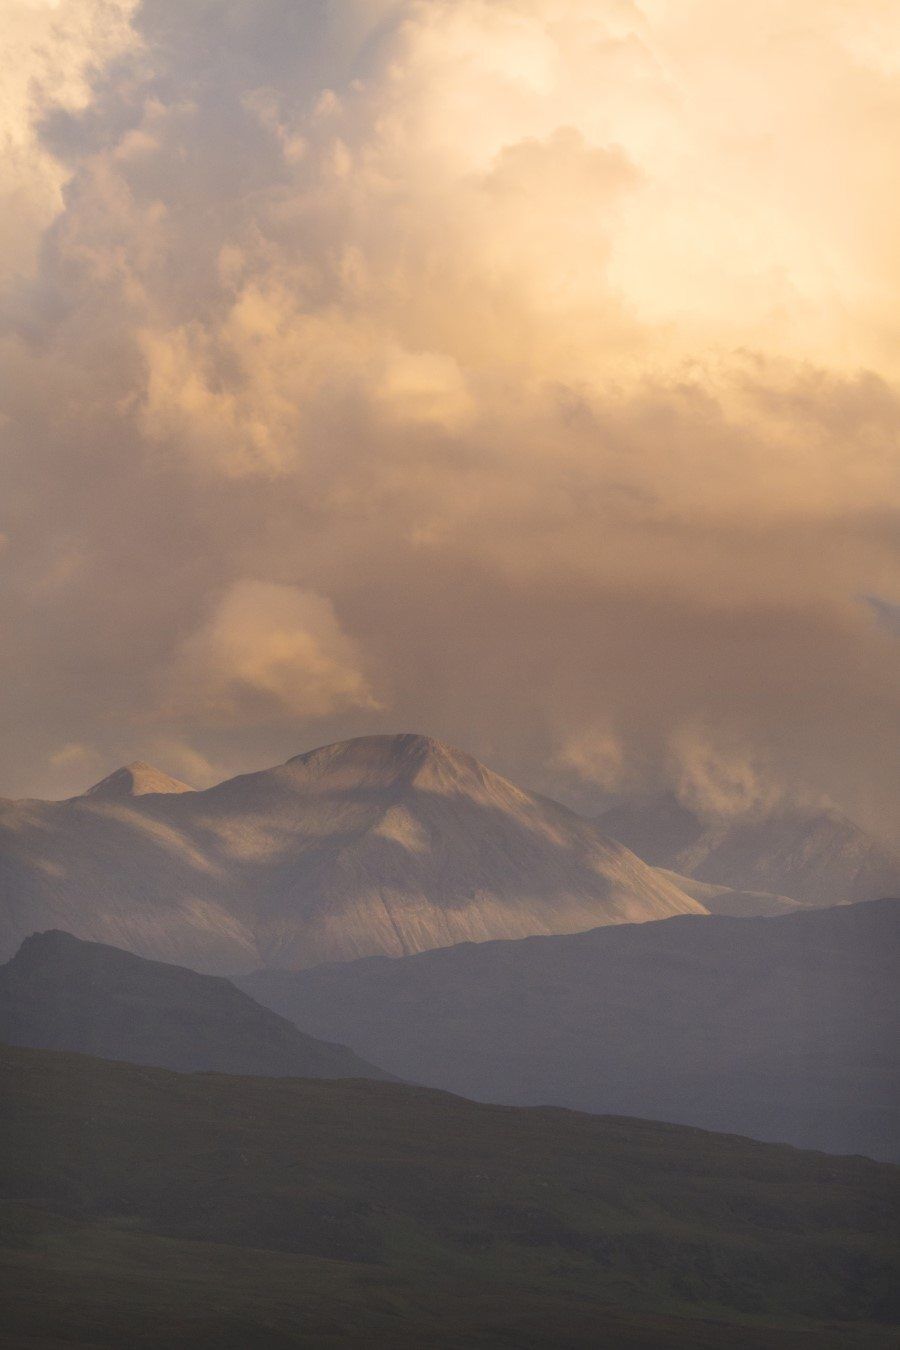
386 844
783 1028
61 993
813 855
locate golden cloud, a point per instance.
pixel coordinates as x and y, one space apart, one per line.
550 343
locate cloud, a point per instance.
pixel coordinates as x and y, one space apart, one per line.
595 755
268 653
52 48
550 344
720 781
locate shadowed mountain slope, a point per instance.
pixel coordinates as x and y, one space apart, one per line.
818 857
784 1028
145 1208
386 844
63 994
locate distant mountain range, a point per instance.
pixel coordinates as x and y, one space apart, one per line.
144 1208
60 993
385 844
718 899
782 1028
818 857
390 845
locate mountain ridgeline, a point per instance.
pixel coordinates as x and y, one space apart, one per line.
817 857
59 993
381 845
781 1028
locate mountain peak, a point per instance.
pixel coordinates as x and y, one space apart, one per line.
403 758
376 845
136 780
62 992
56 949
42 943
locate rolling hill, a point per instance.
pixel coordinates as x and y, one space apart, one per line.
60 993
783 1028
385 844
143 1208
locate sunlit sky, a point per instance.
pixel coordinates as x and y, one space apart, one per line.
523 372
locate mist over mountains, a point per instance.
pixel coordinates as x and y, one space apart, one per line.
534 964
524 372
390 845
384 844
815 856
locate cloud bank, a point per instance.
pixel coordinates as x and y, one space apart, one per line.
523 371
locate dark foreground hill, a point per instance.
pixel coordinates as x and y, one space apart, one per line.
59 993
143 1208
785 1028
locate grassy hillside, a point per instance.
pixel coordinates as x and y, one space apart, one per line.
147 1208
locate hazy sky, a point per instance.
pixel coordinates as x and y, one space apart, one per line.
526 372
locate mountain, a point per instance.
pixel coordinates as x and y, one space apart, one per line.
783 1028
136 780
144 1208
719 899
384 844
63 994
818 857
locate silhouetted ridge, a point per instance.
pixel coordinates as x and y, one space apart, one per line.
785 1028
54 944
60 993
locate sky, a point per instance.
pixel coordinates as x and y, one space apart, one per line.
521 372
